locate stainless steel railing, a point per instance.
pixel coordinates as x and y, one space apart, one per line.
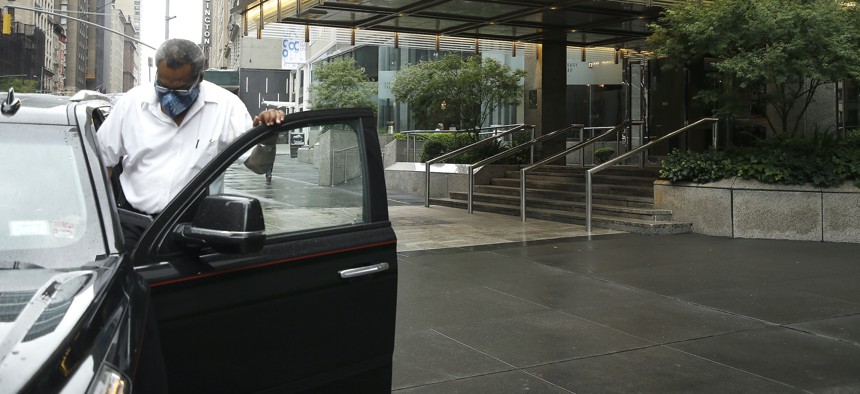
344 163
412 136
524 171
636 151
466 149
509 152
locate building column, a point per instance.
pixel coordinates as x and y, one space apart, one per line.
552 91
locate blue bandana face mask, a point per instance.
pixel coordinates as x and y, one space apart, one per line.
176 101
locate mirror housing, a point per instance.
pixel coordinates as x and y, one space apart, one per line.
227 224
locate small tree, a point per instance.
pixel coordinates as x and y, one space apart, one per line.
342 84
779 51
453 88
20 85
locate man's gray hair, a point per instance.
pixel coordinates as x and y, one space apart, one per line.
177 52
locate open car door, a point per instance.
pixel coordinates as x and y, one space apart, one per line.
283 285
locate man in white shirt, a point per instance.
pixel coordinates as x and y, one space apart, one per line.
165 133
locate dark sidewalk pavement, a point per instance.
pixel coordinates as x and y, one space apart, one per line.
630 313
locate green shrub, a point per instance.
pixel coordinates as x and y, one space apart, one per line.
695 167
603 154
852 139
438 144
820 160
433 148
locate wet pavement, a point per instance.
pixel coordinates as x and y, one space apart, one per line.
557 311
490 304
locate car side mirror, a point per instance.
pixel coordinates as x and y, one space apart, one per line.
227 224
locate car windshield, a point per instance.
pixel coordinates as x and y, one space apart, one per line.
48 216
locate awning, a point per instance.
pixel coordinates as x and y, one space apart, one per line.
580 23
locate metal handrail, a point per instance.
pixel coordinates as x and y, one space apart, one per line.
459 151
412 143
345 152
610 162
510 152
524 171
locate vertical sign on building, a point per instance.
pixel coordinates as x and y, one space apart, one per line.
293 52
207 24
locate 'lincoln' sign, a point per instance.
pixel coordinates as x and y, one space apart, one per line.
207 23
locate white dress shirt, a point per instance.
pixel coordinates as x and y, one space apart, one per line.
161 157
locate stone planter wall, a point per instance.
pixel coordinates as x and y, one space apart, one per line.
409 177
444 178
740 208
335 155
395 151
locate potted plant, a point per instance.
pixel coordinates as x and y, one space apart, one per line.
603 154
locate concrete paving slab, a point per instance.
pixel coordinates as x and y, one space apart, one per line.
676 279
841 287
541 338
775 303
846 328
441 359
567 311
799 359
513 382
665 320
655 370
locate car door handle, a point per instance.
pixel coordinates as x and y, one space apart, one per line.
361 271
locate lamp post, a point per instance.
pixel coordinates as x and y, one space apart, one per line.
167 19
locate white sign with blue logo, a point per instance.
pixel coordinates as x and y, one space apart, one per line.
293 53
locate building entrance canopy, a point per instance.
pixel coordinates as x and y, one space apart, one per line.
579 23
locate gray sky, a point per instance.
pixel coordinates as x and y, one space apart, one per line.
187 24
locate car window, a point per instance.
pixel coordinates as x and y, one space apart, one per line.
47 208
316 179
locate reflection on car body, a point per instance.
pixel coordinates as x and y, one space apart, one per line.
236 286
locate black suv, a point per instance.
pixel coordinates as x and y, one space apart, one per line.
239 285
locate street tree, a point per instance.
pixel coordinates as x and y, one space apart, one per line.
776 51
456 90
341 83
21 85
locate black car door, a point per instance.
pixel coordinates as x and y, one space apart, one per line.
314 308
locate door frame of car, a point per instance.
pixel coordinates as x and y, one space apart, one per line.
305 263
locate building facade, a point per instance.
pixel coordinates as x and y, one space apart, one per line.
216 35
131 59
77 34
65 55
107 68
589 72
46 67
28 42
131 9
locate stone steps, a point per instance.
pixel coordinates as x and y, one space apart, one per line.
652 173
579 178
642 213
639 226
622 198
597 197
627 190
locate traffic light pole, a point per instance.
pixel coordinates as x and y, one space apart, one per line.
167 19
38 10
